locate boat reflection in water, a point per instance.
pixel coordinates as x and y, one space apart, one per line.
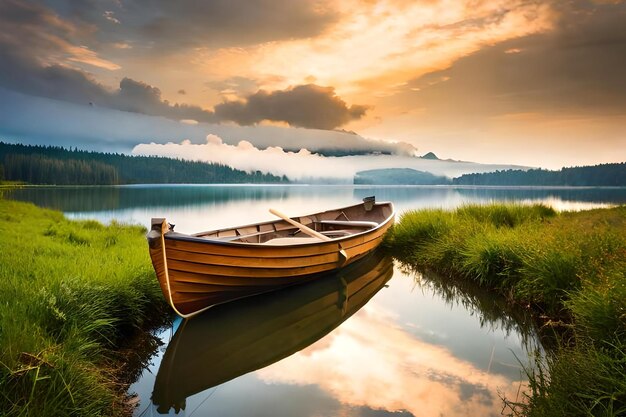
236 338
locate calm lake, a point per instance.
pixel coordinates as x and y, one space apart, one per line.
375 340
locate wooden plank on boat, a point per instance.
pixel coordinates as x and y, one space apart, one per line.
190 277
248 251
245 271
261 262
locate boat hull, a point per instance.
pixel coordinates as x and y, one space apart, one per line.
196 272
232 340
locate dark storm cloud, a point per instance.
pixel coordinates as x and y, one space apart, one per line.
30 29
35 38
19 71
308 106
577 67
304 106
33 41
37 43
139 97
174 25
26 118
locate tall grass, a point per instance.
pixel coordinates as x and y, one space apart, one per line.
568 268
70 293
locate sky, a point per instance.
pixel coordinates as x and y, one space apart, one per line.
533 83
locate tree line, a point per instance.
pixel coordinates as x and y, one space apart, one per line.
592 176
57 165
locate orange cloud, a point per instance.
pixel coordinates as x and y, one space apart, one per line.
85 55
376 46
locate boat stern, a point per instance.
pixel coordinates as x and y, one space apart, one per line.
156 245
158 226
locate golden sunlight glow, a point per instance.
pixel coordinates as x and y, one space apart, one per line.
378 46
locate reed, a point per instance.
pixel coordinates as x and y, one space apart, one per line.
569 269
71 292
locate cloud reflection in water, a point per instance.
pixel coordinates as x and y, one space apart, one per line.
377 364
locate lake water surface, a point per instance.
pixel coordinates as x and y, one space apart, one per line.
375 340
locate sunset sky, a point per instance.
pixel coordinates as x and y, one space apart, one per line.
535 83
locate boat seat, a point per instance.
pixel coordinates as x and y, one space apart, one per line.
349 223
237 237
292 241
337 233
308 239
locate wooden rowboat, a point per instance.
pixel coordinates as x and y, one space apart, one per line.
204 269
233 339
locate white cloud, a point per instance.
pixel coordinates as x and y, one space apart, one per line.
246 156
302 164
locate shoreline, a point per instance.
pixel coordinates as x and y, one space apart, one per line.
84 294
566 269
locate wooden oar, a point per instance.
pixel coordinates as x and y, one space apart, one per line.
300 226
305 229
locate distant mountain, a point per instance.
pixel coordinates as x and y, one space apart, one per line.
429 155
399 176
343 152
56 165
597 175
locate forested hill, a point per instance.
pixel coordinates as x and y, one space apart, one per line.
404 176
56 165
597 175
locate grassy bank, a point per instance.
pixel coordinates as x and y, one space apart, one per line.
568 268
71 292
11 184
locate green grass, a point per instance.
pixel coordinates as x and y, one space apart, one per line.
11 184
569 269
71 292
